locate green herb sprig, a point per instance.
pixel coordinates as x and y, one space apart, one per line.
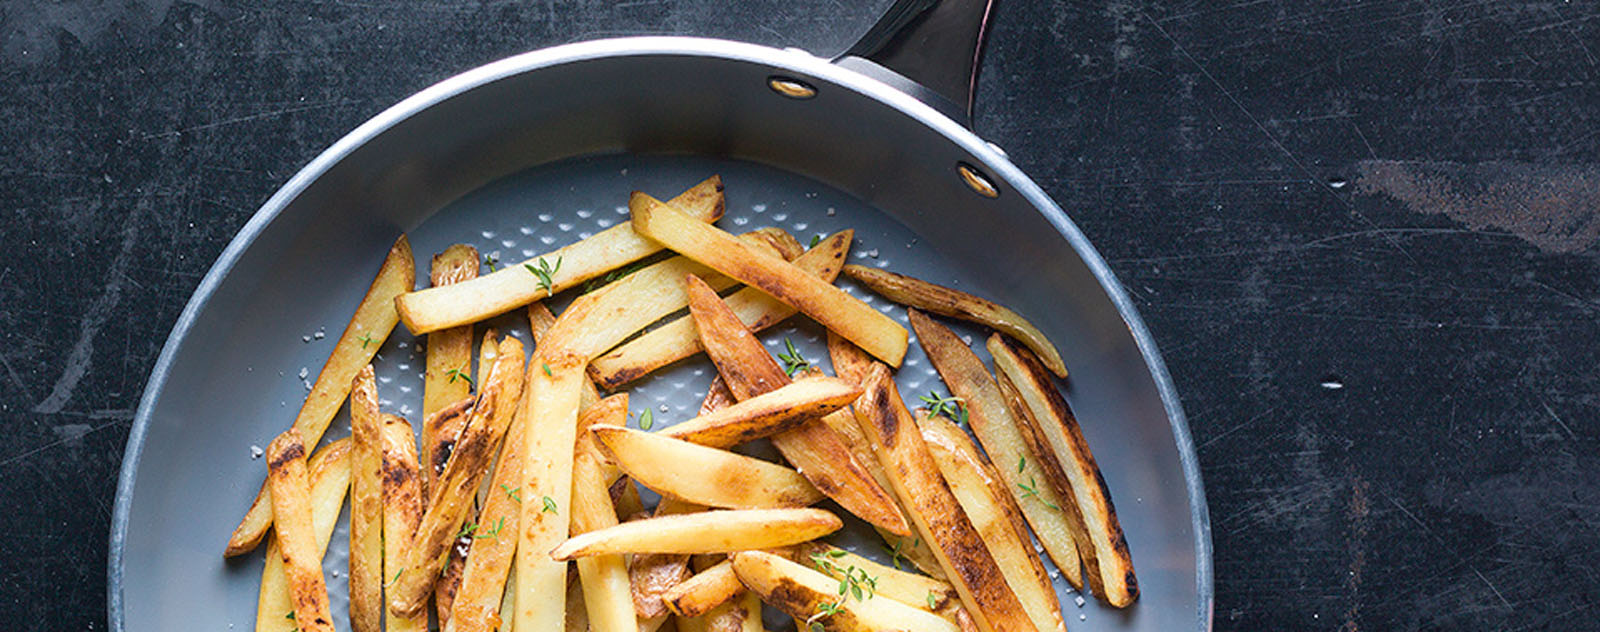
543 273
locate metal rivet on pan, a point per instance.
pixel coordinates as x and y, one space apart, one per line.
790 87
976 181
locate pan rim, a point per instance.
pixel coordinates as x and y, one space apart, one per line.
789 60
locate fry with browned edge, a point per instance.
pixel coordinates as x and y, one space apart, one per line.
296 537
719 478
719 531
366 505
447 376
766 414
402 507
330 478
810 596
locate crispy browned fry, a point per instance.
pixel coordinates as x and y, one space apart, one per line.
444 588
477 602
939 517
374 319
448 372
806 595
815 449
914 292
677 339
330 478
787 246
718 531
402 506
720 251
994 514
366 505
1053 432
717 397
516 285
447 424
704 591
607 594
552 409
718 478
766 414
291 506
917 591
450 503
625 497
540 320
997 428
653 574
850 363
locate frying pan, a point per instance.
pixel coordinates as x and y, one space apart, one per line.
538 150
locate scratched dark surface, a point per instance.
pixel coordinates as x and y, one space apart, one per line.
1364 234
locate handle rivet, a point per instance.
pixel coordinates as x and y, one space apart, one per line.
976 181
790 87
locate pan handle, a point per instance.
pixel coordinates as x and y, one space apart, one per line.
928 49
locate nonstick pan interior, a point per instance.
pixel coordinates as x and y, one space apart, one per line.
536 152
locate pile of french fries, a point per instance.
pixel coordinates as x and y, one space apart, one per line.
518 507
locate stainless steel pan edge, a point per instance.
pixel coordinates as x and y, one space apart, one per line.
1009 178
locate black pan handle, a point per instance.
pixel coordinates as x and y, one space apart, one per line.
928 49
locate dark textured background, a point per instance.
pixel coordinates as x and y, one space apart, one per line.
1400 199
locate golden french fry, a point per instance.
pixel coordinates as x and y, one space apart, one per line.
704 591
785 281
1053 432
919 294
447 376
366 505
677 339
373 320
607 593
555 386
446 425
808 596
718 531
718 478
449 582
296 536
815 449
939 517
766 414
918 591
993 513
477 604
330 478
450 503
717 397
850 363
517 284
867 327
402 507
997 428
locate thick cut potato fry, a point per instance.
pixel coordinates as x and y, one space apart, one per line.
742 614
766 414
330 479
704 591
402 507
719 531
919 294
1053 431
552 410
444 588
867 327
516 285
997 428
717 397
448 360
607 594
539 321
446 425
654 574
917 591
787 246
484 578
677 339
366 505
815 449
968 564
297 545
717 478
850 363
368 328
449 504
803 593
994 514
